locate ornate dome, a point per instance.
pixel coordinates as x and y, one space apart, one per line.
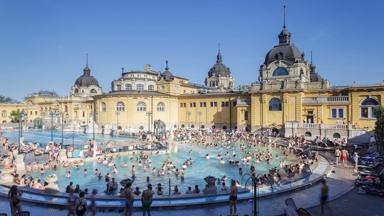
86 79
285 50
219 69
167 75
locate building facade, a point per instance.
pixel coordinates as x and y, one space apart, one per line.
289 94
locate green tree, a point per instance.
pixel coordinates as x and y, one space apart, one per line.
4 99
379 129
14 116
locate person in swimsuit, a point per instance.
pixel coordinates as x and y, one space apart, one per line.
233 199
128 199
146 200
344 156
93 207
337 155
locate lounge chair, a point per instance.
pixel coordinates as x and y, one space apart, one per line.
292 210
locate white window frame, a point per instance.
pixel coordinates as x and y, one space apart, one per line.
337 113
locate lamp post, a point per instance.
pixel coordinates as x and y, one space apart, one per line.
252 176
189 118
73 135
254 195
117 119
52 113
93 125
149 114
62 128
199 113
21 115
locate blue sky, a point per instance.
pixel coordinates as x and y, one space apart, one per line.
43 42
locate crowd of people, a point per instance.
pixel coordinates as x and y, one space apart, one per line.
237 148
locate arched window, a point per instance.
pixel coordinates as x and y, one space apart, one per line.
93 91
76 91
275 104
103 107
141 107
160 107
139 87
280 71
120 107
336 136
368 107
151 88
4 114
118 87
128 87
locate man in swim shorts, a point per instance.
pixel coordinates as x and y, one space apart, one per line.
146 200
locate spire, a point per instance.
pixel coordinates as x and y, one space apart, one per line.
166 65
167 75
219 58
285 35
311 56
87 71
284 16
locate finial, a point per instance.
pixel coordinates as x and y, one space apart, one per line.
86 59
311 56
284 14
122 70
219 58
166 65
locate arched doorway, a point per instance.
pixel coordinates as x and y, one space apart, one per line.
275 132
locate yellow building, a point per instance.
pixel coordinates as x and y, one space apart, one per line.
289 96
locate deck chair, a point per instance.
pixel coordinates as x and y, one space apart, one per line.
23 213
290 207
292 210
291 202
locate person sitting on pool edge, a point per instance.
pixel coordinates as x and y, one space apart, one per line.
69 187
197 190
176 190
137 191
111 186
159 189
189 191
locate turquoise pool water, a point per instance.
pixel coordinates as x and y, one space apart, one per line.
194 175
43 137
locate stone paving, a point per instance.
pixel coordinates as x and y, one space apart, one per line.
340 182
352 204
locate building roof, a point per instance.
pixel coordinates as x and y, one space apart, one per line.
285 50
86 79
167 75
219 69
140 72
132 93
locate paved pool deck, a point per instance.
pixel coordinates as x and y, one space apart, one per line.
340 182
